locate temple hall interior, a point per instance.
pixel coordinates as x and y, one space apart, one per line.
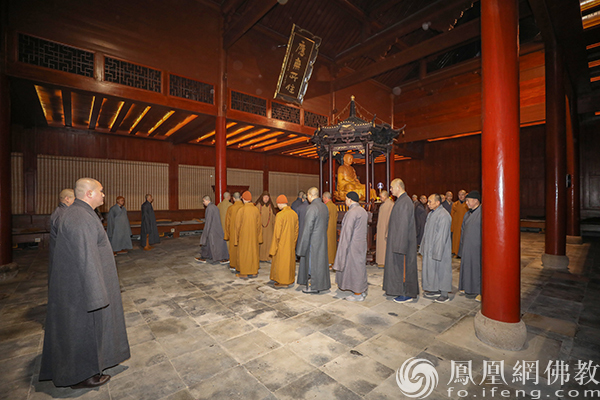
187 98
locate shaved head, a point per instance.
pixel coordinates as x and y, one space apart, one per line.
67 196
237 196
89 191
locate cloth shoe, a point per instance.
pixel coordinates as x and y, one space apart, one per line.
355 297
92 382
200 260
442 299
431 295
404 299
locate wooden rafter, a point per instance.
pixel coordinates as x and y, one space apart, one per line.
96 105
255 10
122 113
67 109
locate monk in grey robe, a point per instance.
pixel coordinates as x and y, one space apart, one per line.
312 247
447 203
400 275
149 230
421 212
66 198
383 219
300 209
212 239
118 228
351 259
85 325
436 249
469 280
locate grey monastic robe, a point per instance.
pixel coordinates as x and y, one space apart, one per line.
470 253
448 207
436 248
212 239
312 247
383 218
54 220
148 225
420 219
351 258
118 228
400 275
301 211
85 325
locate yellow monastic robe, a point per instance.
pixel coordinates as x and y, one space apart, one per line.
283 247
267 221
332 231
247 237
458 212
223 206
229 228
383 219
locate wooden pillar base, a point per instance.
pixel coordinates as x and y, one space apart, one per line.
574 239
559 263
501 335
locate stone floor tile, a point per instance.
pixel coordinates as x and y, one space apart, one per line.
376 321
349 333
432 321
172 326
181 395
185 342
389 390
318 349
556 308
293 307
194 367
20 330
359 373
133 318
16 389
263 316
278 368
234 384
228 328
410 334
143 355
318 319
399 311
345 308
19 368
47 390
316 385
250 345
387 351
152 383
139 334
555 325
20 346
288 330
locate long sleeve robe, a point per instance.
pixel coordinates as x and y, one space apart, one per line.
54 220
267 221
283 247
420 219
230 233
148 225
351 259
301 211
212 239
436 249
247 237
448 206
85 325
458 212
118 228
332 231
312 248
470 253
383 219
223 207
400 275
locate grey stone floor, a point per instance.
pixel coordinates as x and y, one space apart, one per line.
197 332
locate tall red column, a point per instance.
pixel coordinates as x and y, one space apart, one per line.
221 126
499 321
573 195
556 165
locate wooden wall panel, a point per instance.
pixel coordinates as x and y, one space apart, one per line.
254 179
195 182
533 171
590 170
17 183
290 184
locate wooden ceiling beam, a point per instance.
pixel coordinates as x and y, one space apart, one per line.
255 10
193 130
457 36
95 112
402 28
67 109
589 103
121 116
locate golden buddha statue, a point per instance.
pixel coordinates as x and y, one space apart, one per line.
347 181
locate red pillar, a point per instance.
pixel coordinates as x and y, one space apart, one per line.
5 174
501 260
556 166
573 195
221 126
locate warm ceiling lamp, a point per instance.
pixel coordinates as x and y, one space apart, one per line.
257 146
211 133
247 136
260 139
161 121
296 151
121 103
181 124
286 143
138 119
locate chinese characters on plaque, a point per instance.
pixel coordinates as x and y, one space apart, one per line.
297 66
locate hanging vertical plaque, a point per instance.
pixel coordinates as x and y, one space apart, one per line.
297 66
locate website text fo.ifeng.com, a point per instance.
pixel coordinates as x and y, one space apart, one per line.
536 394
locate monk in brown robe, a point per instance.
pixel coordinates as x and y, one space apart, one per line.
331 228
229 228
459 209
267 220
247 237
283 245
223 206
383 219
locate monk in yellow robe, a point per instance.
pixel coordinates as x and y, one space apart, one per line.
283 245
459 209
223 206
267 220
348 181
331 227
229 229
247 237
